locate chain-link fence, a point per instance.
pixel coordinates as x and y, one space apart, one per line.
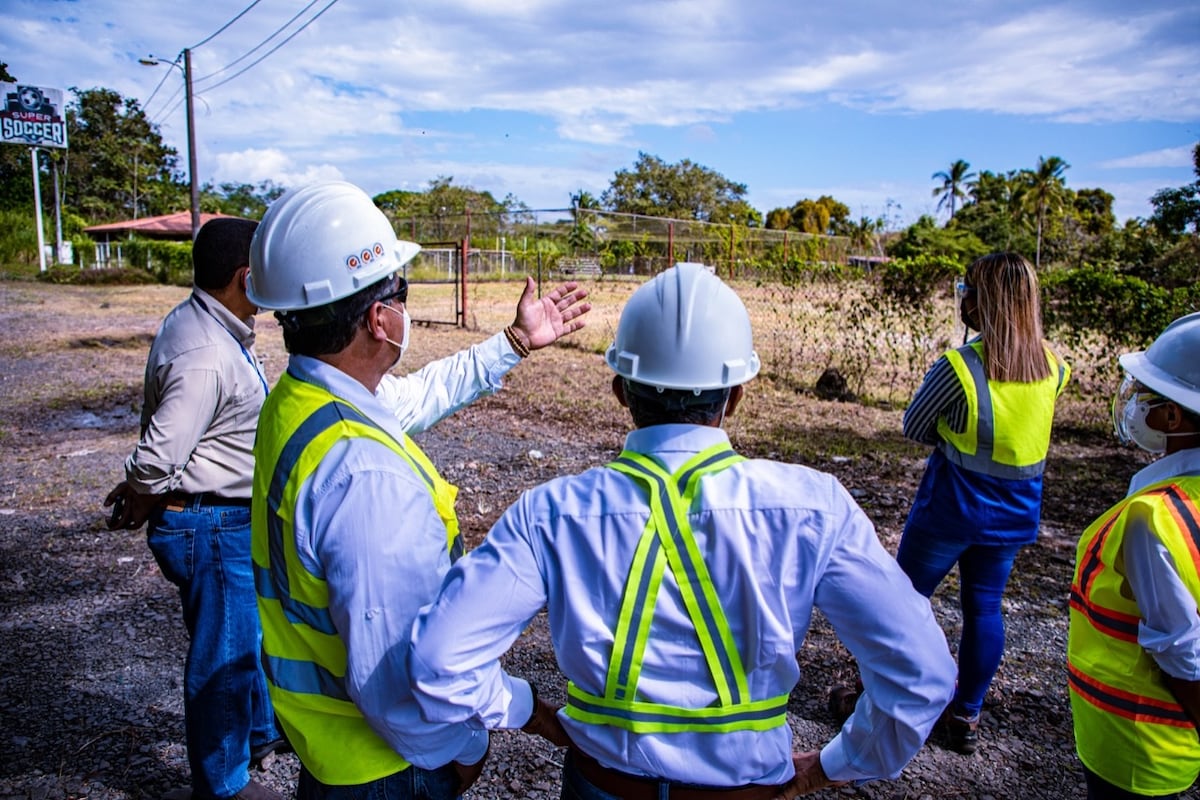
537 242
822 313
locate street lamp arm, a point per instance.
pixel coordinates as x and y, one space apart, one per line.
186 69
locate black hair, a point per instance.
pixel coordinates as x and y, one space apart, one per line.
330 328
222 247
649 406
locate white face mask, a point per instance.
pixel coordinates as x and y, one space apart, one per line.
1132 425
407 327
1131 405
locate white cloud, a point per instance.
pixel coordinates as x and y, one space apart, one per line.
254 166
1166 157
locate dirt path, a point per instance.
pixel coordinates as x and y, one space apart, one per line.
91 643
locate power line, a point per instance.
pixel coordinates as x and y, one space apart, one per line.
161 81
273 49
218 32
252 50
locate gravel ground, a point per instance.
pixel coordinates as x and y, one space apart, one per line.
91 642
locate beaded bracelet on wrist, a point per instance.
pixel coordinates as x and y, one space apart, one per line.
515 342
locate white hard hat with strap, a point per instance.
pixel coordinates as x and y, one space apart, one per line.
684 329
1170 367
320 243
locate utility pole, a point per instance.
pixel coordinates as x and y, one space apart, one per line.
186 69
191 135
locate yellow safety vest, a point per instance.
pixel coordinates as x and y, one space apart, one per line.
1008 422
667 542
1129 728
303 656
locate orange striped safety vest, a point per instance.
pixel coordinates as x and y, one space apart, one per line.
1129 728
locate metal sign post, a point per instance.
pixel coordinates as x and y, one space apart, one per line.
37 207
33 116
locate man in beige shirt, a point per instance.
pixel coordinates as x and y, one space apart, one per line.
189 478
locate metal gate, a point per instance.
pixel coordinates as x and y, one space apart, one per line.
437 287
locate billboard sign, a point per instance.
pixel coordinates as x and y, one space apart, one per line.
32 115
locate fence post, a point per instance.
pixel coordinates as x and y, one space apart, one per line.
731 260
465 252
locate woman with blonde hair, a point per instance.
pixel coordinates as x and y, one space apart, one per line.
986 408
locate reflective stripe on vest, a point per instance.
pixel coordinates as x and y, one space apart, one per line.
1028 414
667 542
303 656
1129 727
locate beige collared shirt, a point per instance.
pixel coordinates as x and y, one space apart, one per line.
203 390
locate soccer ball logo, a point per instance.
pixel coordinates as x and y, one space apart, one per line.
29 99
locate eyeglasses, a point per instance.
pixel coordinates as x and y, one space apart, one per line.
401 294
962 289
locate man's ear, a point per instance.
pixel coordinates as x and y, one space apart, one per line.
1173 415
618 390
736 393
373 322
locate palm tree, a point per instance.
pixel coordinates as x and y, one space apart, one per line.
954 184
1045 191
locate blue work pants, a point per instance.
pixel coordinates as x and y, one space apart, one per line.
205 551
413 783
927 558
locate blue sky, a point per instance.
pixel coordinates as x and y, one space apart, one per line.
861 99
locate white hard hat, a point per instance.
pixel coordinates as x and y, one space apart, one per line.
684 329
1171 365
320 243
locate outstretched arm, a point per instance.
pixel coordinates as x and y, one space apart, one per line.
541 321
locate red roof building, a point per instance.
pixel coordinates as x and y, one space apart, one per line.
176 226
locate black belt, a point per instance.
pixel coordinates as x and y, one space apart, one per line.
633 787
177 501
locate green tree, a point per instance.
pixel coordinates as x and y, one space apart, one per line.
823 216
118 165
681 191
1177 210
1046 194
955 183
16 181
584 199
240 199
924 239
864 234
779 219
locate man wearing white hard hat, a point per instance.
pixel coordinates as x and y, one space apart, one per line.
353 528
680 580
1133 649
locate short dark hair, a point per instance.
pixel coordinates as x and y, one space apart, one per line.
649 406
222 246
330 328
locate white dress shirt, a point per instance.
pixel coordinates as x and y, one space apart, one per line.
367 524
1169 629
778 540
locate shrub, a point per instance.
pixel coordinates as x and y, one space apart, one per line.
171 262
1124 308
18 238
108 276
915 279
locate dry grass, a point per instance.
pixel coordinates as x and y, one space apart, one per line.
94 643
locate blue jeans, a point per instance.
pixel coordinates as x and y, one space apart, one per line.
983 573
413 783
205 551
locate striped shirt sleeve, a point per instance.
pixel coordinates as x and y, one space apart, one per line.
940 395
